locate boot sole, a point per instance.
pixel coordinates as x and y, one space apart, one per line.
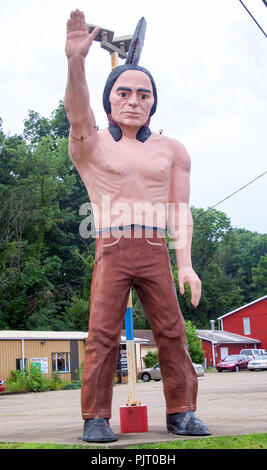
184 432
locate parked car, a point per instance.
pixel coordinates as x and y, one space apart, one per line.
2 386
260 362
234 362
153 373
252 353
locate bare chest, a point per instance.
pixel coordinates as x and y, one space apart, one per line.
141 163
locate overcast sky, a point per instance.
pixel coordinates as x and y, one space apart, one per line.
208 59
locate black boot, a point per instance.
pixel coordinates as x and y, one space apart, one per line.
98 430
187 424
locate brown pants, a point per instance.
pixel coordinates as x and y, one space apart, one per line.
142 263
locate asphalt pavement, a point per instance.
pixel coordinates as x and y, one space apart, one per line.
229 403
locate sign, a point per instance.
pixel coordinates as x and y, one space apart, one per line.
123 359
41 363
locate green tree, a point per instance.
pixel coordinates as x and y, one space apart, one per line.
194 343
36 127
140 319
41 192
59 122
151 359
259 277
78 313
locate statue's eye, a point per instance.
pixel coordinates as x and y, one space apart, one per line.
143 97
123 94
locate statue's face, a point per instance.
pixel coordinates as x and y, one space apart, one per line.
131 99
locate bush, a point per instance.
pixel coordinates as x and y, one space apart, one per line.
77 382
73 385
150 359
32 381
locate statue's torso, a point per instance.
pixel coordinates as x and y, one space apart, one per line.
128 181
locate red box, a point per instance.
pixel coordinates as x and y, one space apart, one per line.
133 418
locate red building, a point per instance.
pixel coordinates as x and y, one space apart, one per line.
249 320
218 344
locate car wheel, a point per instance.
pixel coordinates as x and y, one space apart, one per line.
219 370
252 370
236 368
146 377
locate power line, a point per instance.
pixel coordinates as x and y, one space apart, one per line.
240 189
253 16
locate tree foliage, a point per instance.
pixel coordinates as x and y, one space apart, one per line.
194 343
46 267
151 359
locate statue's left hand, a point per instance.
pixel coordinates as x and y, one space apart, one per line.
188 275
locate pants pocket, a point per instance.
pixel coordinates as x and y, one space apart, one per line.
112 243
154 243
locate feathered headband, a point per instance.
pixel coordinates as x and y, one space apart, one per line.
131 63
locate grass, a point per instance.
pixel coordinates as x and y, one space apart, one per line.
34 445
249 441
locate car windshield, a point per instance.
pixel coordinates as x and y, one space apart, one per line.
231 358
262 357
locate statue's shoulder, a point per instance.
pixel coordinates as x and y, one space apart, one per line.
181 156
178 152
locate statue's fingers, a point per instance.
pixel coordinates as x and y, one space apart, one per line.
181 286
70 25
196 294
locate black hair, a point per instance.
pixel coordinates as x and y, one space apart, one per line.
144 131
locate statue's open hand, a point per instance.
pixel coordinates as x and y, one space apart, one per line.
188 275
78 39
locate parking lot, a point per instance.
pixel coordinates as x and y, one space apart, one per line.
229 403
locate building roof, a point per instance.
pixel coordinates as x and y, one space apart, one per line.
140 336
244 306
218 336
146 335
54 335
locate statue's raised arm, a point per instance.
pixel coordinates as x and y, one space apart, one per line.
77 100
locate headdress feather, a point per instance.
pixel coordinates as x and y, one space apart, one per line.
137 43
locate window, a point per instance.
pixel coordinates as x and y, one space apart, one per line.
246 324
61 362
19 364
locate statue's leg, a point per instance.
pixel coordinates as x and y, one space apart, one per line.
157 294
109 295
